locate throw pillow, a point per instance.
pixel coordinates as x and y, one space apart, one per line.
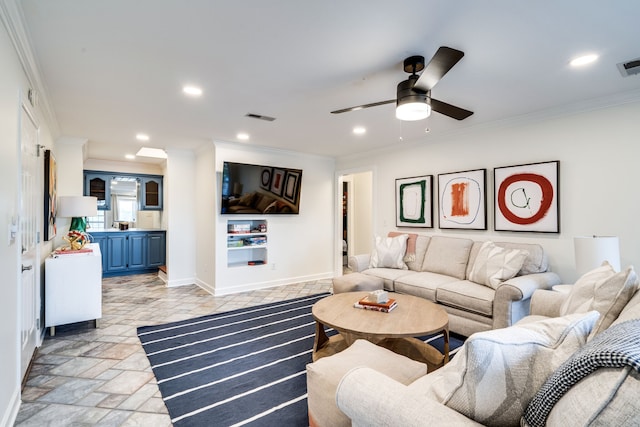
495 374
389 252
604 290
494 264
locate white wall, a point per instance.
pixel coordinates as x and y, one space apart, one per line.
11 82
124 167
598 153
300 247
69 154
14 85
180 207
206 186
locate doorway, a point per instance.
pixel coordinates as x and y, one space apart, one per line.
356 215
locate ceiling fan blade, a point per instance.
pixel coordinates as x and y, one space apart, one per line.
444 59
360 107
450 110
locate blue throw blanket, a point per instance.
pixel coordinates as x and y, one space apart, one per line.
615 347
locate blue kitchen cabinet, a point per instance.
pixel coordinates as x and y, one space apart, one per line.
156 249
131 252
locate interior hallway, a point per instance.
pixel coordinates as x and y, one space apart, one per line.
101 377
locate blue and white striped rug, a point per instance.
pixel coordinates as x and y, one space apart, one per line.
243 367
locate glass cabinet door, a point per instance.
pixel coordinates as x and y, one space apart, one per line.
99 186
151 189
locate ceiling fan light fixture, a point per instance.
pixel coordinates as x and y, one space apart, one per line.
412 110
411 104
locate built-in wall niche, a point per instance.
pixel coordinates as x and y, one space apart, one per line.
246 243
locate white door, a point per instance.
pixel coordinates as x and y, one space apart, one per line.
29 210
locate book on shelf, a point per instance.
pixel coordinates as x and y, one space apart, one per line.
376 308
388 304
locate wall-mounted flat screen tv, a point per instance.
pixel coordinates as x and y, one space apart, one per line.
257 189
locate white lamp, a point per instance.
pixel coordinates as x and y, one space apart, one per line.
591 251
77 208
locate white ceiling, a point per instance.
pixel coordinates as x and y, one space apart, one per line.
114 68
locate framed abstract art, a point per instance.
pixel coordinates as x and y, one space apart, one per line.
414 203
462 200
526 197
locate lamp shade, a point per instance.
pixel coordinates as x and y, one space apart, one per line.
77 206
591 251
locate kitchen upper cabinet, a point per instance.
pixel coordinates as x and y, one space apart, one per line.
146 189
151 193
98 184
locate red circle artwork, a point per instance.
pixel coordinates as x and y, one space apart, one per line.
545 202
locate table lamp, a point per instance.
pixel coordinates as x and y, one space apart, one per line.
78 208
591 251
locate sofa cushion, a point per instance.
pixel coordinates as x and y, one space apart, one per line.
423 284
617 348
495 264
447 255
389 252
324 375
467 295
604 290
389 275
607 397
496 373
631 310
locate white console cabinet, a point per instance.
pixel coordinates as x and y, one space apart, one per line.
73 288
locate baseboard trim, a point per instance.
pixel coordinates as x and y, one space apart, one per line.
218 291
11 414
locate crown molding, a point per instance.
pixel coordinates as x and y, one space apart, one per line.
13 20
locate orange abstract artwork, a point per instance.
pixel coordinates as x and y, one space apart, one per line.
460 199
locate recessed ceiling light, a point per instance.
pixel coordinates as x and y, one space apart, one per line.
359 130
583 60
129 156
192 90
142 137
152 152
242 136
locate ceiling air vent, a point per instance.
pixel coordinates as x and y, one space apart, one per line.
260 117
629 68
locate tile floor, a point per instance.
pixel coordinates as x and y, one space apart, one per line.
86 376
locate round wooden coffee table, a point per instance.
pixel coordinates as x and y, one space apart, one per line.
413 317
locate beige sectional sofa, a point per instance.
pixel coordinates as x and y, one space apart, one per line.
448 271
575 361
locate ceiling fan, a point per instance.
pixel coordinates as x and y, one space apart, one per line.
413 100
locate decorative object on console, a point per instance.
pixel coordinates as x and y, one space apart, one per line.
414 202
591 251
462 200
77 208
526 197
